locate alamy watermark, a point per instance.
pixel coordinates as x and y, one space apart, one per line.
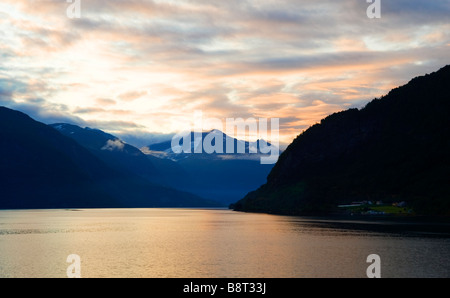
374 269
214 141
74 269
74 9
374 9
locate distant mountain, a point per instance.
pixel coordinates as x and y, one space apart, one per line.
226 177
126 158
225 180
111 150
238 149
394 149
41 168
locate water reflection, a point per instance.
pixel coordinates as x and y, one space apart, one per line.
371 227
214 243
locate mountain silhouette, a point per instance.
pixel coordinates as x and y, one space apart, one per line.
396 148
41 168
127 158
111 150
226 177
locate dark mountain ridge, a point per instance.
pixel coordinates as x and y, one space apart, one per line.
206 175
395 148
226 177
41 168
111 150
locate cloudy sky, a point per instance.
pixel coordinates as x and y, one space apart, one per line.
130 67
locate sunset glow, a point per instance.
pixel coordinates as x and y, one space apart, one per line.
135 67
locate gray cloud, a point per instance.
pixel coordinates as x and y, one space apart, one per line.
142 139
236 58
46 113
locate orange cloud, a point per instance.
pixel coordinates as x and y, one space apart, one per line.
148 65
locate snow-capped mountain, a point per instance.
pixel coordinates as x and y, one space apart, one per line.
213 144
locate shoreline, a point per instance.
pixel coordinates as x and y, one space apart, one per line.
429 219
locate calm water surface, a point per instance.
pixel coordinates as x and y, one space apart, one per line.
212 243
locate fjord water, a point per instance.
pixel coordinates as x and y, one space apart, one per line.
194 243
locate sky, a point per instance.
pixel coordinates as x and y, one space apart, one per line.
144 67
